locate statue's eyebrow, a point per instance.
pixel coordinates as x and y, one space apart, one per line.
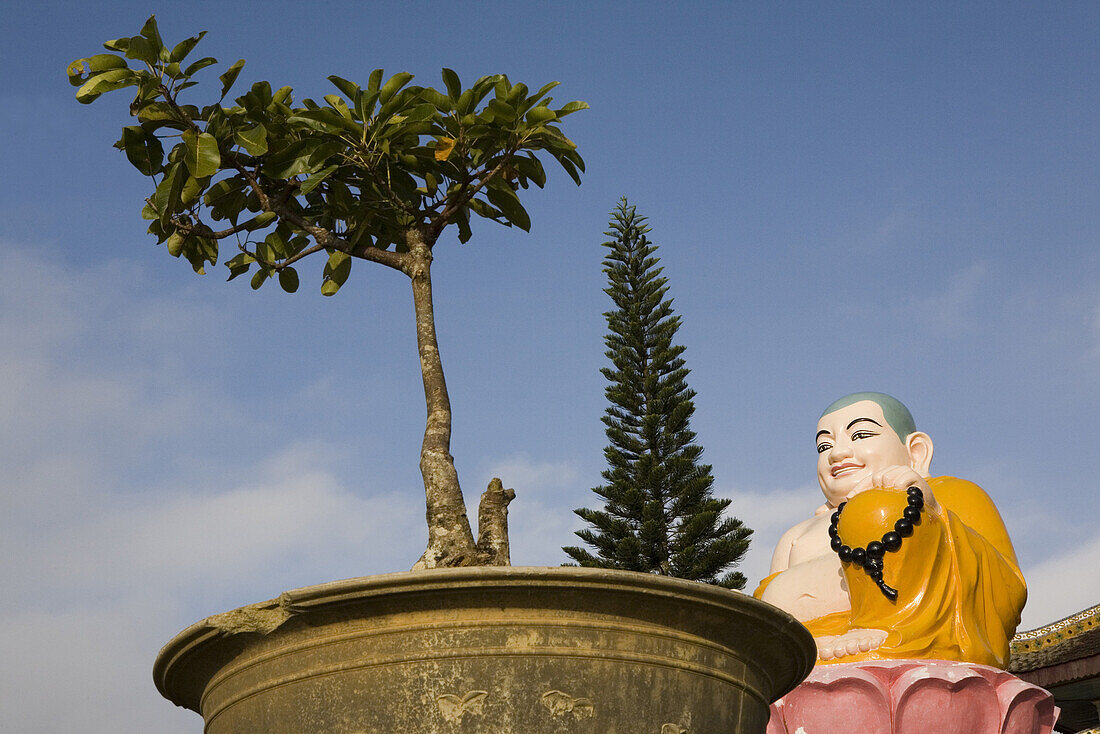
857 420
821 432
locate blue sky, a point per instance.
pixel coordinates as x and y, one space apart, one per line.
846 197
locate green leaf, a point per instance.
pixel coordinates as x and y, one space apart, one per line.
175 244
184 47
151 32
239 265
203 158
118 44
539 115
337 270
454 86
304 156
502 111
166 199
154 111
191 190
288 279
202 63
105 82
327 120
259 278
339 105
505 199
463 221
254 139
542 92
374 80
314 181
282 96
78 74
437 99
364 104
395 83
572 107
348 89
142 49
517 93
230 76
482 209
277 244
261 220
143 150
531 167
421 112
570 168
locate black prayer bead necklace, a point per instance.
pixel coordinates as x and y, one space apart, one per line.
870 558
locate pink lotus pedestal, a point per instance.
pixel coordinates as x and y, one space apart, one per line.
913 697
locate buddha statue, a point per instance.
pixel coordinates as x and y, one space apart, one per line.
896 564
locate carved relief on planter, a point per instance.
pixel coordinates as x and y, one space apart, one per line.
913 697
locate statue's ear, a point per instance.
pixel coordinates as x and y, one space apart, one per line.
919 446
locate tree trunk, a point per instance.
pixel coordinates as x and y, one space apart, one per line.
492 524
450 540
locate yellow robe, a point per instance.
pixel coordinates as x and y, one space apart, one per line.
960 590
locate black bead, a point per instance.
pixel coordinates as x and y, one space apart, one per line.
835 543
875 574
875 549
915 500
904 527
832 530
836 517
840 507
845 553
914 491
891 541
858 556
912 514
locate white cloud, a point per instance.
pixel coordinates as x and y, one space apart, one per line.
538 524
292 517
115 535
538 478
769 513
1062 585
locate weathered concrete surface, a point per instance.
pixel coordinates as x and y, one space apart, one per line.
490 650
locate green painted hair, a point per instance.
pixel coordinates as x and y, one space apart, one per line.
896 414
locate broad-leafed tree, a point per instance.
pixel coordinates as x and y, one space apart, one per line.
372 173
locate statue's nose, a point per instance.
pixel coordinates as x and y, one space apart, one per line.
838 452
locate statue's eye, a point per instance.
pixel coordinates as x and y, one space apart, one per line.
862 434
823 447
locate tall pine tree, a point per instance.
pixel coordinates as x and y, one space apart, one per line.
659 514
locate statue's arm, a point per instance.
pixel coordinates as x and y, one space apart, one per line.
781 558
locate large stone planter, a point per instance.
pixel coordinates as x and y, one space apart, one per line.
492 651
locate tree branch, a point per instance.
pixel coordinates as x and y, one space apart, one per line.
464 196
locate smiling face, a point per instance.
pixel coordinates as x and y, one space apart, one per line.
854 442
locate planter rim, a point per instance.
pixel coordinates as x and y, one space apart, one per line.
792 642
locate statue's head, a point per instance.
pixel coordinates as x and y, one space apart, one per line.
864 433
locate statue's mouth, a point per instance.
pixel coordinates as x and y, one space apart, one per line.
846 468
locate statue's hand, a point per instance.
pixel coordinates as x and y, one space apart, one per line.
897 477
